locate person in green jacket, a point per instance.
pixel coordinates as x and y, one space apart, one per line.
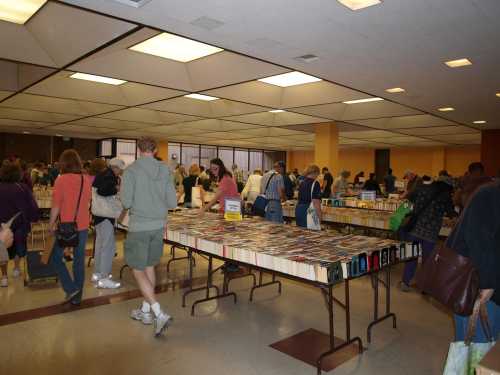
148 193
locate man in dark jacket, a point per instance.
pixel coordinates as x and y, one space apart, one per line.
477 236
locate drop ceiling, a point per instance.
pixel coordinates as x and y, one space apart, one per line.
400 43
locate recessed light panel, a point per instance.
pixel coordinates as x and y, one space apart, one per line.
100 79
480 122
174 47
26 132
446 109
19 11
290 79
201 97
498 94
359 101
395 90
458 63
277 111
359 4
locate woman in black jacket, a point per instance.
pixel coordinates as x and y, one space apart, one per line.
477 236
106 184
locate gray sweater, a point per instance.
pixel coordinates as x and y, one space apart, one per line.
147 192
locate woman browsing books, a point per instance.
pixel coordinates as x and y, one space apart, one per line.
309 191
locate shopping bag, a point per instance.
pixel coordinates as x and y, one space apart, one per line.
259 206
398 217
313 222
463 359
110 207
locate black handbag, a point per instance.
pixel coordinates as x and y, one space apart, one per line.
67 232
260 203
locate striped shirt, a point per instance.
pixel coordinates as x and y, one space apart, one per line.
276 184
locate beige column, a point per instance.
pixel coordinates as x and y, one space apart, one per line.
326 147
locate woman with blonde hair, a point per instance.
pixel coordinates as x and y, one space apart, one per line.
189 183
309 191
252 187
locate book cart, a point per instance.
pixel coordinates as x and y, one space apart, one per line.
320 259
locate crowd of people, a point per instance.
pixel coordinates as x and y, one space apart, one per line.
83 194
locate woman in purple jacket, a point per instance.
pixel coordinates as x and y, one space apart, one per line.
16 197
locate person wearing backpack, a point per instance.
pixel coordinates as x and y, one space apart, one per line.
431 202
309 191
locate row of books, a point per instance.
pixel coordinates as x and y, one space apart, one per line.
325 257
353 216
43 197
380 204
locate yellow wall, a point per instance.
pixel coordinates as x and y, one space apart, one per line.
459 158
422 160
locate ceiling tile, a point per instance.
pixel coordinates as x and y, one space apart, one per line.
405 122
208 109
277 119
57 105
439 130
22 124
99 122
367 134
4 94
88 130
148 116
21 114
128 94
458 138
65 40
218 125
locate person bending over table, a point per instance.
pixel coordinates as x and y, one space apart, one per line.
226 189
309 191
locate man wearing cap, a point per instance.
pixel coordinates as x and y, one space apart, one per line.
413 181
273 187
106 184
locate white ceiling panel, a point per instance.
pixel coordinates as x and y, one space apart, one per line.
209 109
173 130
99 122
229 135
118 62
80 129
277 119
227 68
22 124
218 125
57 105
128 94
21 114
65 40
405 122
439 130
148 116
270 132
350 112
397 140
349 141
272 96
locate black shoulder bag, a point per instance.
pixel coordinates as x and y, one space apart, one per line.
67 232
260 203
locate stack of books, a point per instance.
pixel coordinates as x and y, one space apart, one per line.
43 196
324 257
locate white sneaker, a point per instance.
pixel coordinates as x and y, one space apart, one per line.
4 283
95 277
16 272
162 322
145 318
108 284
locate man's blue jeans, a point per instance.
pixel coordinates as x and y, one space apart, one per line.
71 285
274 212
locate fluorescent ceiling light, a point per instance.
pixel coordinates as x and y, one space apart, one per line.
58 135
458 63
19 11
358 101
174 47
290 79
26 132
480 122
359 4
498 94
395 90
100 79
201 97
446 109
277 111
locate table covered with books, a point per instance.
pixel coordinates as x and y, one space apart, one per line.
322 259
